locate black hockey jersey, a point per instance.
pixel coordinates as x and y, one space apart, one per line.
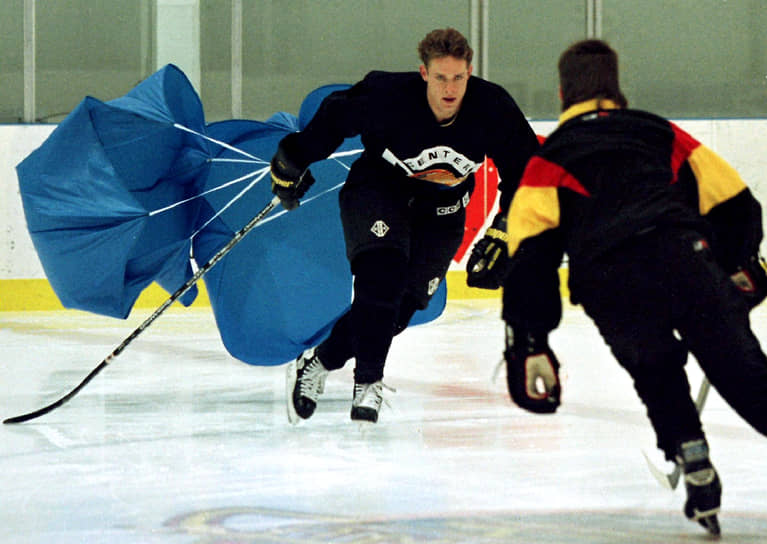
607 175
406 146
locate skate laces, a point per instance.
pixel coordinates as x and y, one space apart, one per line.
312 379
370 395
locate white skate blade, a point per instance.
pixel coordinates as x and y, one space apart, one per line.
669 481
291 374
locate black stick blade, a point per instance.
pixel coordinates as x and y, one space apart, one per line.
44 410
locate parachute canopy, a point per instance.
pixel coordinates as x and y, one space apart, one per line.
121 192
89 193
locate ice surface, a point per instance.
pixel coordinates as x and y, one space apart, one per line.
178 442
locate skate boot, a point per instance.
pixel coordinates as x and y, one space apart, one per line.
704 490
367 402
305 382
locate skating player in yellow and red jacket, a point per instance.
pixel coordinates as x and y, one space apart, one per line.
662 238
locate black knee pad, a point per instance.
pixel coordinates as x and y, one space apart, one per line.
380 277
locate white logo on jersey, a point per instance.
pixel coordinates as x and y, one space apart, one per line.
447 210
432 165
379 228
441 154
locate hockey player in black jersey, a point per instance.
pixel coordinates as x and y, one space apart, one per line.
403 204
662 237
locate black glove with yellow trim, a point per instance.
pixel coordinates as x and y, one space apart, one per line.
488 263
289 181
532 371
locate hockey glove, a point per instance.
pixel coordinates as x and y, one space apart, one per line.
489 260
289 182
751 280
532 371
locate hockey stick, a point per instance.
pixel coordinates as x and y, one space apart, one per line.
671 480
239 235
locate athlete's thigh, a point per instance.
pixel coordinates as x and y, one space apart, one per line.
627 298
374 216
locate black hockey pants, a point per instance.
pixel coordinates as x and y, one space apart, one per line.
668 281
399 248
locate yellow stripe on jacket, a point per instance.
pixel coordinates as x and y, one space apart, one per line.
535 206
534 210
717 181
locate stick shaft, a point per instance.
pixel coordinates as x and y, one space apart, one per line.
239 235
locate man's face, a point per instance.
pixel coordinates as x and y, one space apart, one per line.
446 79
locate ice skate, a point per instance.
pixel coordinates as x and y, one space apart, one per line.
367 402
704 490
304 383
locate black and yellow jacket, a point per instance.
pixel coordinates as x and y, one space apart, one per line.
608 174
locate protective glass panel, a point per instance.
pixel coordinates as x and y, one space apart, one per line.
525 40
89 48
11 61
691 58
291 47
216 58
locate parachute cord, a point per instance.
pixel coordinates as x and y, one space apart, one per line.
336 187
260 172
259 176
219 142
303 203
246 161
265 220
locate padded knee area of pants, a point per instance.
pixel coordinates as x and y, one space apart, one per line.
380 277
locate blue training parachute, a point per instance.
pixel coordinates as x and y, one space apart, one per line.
89 193
121 190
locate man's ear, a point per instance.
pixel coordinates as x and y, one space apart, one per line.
424 72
